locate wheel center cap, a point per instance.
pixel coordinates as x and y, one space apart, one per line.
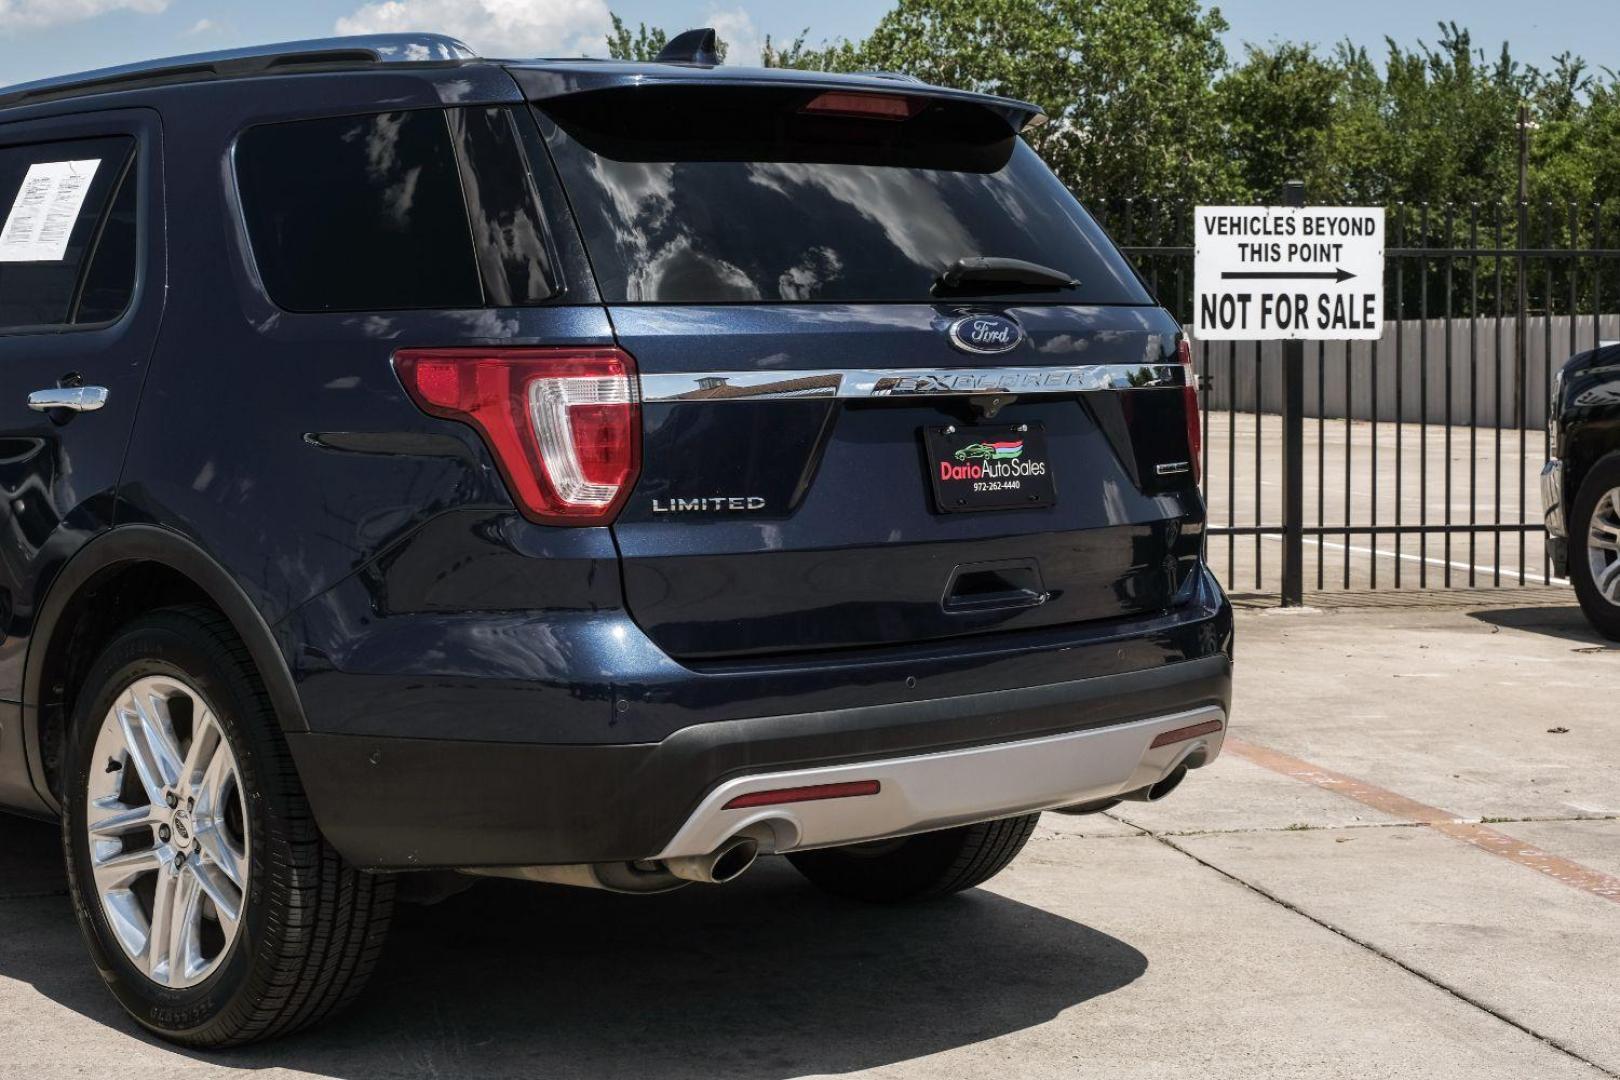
183 827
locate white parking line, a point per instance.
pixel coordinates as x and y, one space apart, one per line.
1479 571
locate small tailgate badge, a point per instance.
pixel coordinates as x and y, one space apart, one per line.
714 504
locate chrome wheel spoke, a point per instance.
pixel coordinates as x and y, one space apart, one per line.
157 726
225 894
110 818
175 944
221 852
140 754
1608 582
119 871
204 764
214 783
185 929
159 930
1606 522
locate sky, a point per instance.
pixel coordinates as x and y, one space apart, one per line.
40 38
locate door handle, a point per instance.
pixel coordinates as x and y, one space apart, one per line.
72 398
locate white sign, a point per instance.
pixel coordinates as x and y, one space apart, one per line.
46 208
1266 273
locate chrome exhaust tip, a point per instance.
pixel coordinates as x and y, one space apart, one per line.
723 864
1171 781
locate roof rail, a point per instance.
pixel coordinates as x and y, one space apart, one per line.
315 54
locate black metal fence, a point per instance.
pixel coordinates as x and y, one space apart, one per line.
1415 456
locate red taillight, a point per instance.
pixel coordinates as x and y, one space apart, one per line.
871 106
778 796
563 423
1189 398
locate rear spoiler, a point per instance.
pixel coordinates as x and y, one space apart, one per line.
545 80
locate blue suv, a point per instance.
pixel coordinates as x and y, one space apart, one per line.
419 467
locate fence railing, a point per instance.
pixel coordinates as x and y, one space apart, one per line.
1410 461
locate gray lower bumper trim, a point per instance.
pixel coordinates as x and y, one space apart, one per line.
956 787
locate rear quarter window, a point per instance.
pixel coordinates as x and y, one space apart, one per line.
358 213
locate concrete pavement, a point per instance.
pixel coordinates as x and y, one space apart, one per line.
1259 923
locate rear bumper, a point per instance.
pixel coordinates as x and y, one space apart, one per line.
389 803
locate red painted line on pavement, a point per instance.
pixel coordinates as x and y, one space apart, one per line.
1483 837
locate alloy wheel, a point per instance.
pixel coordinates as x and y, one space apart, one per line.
1603 546
168 834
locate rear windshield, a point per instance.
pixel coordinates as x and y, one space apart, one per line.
726 195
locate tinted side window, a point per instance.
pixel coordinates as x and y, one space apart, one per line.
110 279
503 207
358 213
53 196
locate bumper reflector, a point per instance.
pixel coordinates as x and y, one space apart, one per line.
1182 734
779 796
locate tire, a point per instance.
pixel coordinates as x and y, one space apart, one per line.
1594 546
918 867
239 840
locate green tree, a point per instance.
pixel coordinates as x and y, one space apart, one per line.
1126 84
1143 103
840 55
1279 110
1435 125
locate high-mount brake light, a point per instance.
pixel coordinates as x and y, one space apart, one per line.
871 106
564 424
1189 397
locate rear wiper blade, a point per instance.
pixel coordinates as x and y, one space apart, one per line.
986 270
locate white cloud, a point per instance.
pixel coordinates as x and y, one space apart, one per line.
492 27
736 28
203 26
33 14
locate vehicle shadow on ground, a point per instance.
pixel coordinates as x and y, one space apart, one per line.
763 978
1560 622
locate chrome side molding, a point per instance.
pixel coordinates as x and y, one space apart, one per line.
907 382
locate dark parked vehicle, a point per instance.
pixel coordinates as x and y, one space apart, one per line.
418 466
1580 484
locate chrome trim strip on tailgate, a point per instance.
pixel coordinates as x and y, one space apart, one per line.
906 382
954 787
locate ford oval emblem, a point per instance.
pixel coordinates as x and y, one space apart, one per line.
985 334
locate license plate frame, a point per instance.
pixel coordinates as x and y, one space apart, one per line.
980 468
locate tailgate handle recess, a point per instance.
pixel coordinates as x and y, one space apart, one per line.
997 586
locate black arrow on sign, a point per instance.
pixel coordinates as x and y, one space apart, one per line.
1340 274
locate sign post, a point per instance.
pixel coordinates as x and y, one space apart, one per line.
1289 273
1293 568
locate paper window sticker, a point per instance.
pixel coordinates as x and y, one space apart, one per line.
45 210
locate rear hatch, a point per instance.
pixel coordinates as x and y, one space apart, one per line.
841 448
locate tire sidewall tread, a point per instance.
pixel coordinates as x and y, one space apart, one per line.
312 925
